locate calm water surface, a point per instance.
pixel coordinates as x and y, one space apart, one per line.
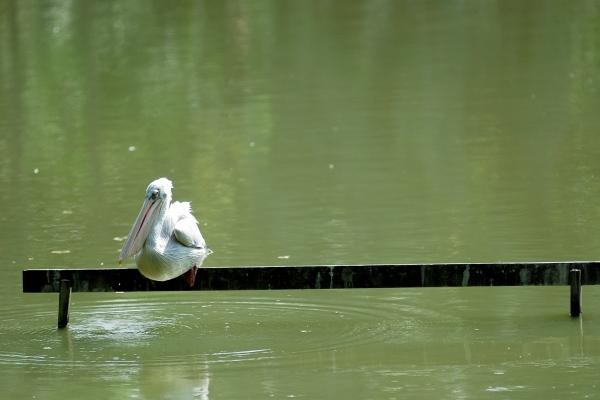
303 132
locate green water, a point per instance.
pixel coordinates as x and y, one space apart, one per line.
303 132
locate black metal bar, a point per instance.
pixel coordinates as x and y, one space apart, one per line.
575 278
317 277
64 300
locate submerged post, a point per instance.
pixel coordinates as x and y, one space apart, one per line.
64 298
575 276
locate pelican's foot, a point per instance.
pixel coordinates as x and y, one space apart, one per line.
190 276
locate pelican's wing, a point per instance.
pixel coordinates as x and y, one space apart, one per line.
186 227
187 233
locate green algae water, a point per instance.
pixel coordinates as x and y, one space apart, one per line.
303 132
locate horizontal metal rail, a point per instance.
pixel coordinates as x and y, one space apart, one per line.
317 277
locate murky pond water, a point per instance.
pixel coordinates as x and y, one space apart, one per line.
303 132
421 343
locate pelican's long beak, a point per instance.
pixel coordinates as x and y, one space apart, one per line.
141 228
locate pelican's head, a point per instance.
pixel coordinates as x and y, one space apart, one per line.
159 188
158 197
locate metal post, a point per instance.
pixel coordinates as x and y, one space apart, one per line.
575 276
64 299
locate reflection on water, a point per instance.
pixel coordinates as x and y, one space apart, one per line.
303 132
371 132
378 342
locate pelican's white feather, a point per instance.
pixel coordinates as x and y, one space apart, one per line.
186 227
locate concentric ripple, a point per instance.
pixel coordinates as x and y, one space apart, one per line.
125 330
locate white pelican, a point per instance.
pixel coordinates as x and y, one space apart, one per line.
165 238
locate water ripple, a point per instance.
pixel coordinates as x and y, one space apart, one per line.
182 329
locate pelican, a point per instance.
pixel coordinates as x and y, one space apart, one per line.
165 239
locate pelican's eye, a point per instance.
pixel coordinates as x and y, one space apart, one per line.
154 195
